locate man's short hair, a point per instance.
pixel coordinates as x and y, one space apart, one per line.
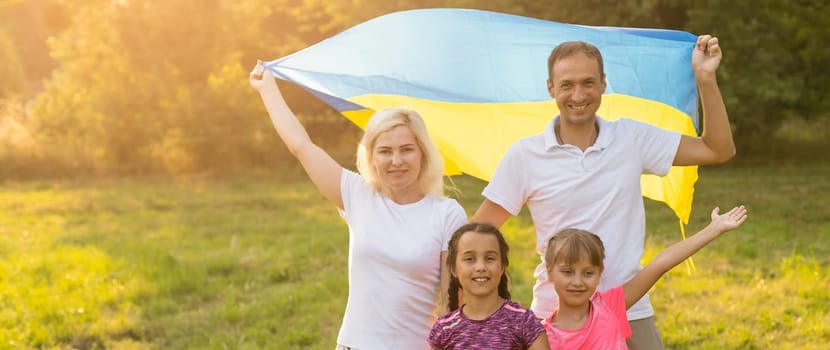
570 48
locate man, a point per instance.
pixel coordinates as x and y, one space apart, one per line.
584 172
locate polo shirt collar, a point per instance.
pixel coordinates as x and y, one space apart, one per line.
550 135
606 134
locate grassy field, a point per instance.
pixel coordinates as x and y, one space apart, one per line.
260 262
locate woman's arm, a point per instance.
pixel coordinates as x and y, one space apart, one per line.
323 170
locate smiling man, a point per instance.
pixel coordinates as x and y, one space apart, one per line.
584 172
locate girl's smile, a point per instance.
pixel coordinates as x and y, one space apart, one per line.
575 282
478 265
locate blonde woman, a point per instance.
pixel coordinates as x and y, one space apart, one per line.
399 221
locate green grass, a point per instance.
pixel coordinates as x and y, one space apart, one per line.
260 262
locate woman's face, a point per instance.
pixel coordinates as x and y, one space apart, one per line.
397 159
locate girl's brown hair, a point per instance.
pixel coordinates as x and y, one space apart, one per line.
452 254
570 245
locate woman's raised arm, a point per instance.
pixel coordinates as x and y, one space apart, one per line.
323 170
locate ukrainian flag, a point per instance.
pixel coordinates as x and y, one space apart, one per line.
479 80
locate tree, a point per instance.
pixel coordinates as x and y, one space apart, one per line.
147 86
12 75
775 62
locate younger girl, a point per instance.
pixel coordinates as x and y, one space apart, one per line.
477 259
574 259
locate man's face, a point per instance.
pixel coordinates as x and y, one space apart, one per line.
577 87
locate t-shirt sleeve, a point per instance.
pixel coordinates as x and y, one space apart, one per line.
615 299
436 338
533 328
349 182
507 187
454 217
657 146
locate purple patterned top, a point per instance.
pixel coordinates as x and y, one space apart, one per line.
511 327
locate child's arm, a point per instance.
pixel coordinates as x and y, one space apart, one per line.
676 253
541 343
323 170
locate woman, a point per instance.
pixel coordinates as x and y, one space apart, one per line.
399 221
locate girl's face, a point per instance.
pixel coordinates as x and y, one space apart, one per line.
478 265
397 159
574 283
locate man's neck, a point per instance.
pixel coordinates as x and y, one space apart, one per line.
582 136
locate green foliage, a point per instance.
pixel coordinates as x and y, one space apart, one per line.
29 23
148 87
669 14
12 75
775 59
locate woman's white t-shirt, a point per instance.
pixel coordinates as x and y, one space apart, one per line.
394 265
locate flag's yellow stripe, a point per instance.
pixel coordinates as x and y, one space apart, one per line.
473 136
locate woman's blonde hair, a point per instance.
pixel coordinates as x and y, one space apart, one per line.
430 177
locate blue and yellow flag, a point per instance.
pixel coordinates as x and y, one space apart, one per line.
479 80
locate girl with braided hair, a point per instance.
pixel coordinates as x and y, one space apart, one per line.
488 319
